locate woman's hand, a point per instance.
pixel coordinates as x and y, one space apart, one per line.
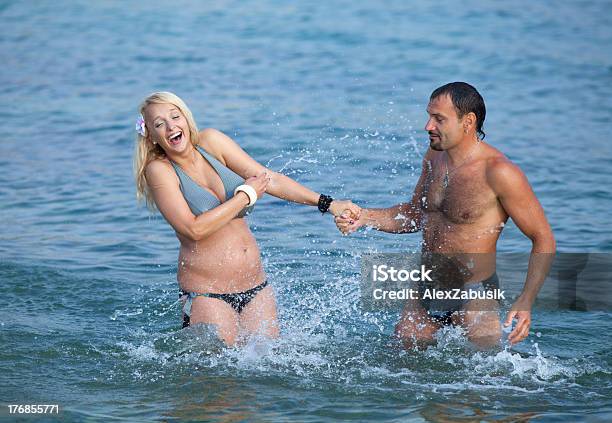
347 223
260 183
347 215
338 207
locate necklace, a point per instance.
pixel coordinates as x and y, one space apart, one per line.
447 173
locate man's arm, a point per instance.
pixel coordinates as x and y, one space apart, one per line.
401 218
520 203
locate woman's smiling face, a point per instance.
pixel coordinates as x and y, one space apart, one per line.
168 126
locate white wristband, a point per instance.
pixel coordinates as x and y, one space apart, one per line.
248 190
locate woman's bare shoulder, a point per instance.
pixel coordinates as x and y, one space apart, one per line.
214 142
159 169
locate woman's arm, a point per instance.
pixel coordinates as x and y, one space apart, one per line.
280 186
165 188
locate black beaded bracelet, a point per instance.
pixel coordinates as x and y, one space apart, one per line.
324 203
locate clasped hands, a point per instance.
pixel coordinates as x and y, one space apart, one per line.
347 215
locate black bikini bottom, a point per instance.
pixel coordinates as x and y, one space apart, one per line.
238 300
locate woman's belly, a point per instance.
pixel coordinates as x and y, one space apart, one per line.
226 261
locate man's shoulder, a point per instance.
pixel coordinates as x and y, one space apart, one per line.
502 173
498 165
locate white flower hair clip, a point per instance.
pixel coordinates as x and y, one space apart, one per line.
140 126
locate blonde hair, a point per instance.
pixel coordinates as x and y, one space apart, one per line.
145 151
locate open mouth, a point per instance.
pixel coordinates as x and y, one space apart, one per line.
176 138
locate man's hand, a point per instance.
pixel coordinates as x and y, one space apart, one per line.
521 311
348 223
338 207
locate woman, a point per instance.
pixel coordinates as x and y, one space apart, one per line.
204 184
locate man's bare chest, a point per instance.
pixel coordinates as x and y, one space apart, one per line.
465 199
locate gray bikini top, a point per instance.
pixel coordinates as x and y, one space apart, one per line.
201 200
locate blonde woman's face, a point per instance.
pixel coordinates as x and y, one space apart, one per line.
167 126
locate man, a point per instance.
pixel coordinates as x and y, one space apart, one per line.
466 192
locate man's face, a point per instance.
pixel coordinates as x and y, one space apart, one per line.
444 126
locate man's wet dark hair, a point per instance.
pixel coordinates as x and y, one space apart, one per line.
466 99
